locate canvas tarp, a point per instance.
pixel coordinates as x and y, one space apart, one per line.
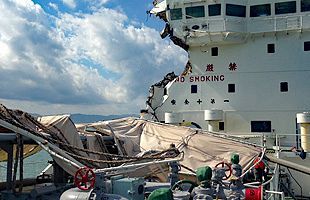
64 128
200 147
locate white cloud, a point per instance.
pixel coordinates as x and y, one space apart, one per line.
70 3
89 63
53 5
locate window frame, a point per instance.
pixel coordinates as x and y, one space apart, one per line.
260 14
231 6
306 45
214 51
304 8
188 16
214 5
256 129
194 89
277 8
176 18
271 48
221 126
284 87
231 88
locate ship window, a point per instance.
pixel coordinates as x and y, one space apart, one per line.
176 14
284 86
305 5
261 126
214 51
285 7
260 10
307 46
214 10
194 89
221 126
235 10
271 48
195 12
231 88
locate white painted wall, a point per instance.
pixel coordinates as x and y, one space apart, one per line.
257 81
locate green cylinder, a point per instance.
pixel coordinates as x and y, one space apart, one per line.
204 173
234 158
161 194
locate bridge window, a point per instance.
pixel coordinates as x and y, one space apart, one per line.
271 48
235 10
284 86
195 12
307 46
261 126
305 5
176 14
260 10
285 7
194 89
214 10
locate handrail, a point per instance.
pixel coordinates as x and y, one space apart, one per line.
261 158
276 192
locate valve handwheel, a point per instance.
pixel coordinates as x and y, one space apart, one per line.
178 185
85 178
227 167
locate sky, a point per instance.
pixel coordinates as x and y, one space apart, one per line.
82 56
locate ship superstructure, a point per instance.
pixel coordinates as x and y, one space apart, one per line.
248 72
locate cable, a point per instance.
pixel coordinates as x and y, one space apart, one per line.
295 181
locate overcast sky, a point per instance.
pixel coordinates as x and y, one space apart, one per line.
81 56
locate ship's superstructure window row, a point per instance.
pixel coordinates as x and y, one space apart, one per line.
235 10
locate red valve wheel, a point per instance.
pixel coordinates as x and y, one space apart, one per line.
228 170
85 178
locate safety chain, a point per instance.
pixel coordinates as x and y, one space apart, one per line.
155 156
127 159
116 161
